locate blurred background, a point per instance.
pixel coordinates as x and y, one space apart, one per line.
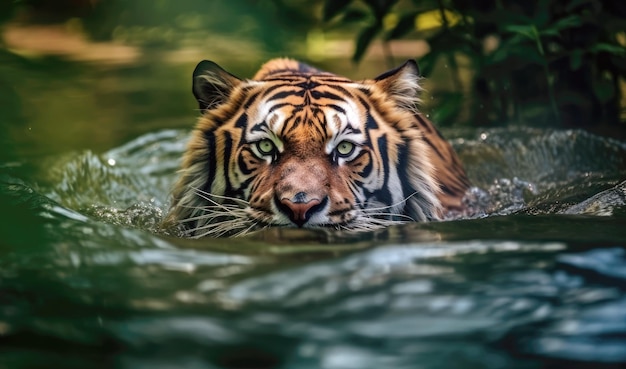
93 74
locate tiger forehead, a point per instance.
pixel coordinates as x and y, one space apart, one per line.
307 121
297 100
307 90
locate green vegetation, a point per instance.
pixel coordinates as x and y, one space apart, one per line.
491 63
545 62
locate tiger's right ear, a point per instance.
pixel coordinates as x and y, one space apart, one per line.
212 85
402 84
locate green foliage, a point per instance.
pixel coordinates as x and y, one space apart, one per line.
168 23
543 62
374 16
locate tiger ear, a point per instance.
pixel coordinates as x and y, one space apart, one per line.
402 84
212 85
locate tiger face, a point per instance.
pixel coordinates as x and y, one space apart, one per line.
299 147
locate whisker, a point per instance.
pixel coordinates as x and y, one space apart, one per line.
222 228
406 218
404 200
227 216
212 214
205 195
247 230
211 207
215 203
223 223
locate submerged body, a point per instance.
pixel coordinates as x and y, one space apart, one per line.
296 146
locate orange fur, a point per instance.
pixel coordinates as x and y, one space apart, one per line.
296 146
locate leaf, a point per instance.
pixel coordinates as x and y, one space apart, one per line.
524 30
609 48
517 50
549 32
364 40
405 25
334 7
568 22
575 4
452 42
576 59
499 55
603 89
512 59
354 15
515 41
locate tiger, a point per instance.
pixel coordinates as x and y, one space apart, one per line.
296 146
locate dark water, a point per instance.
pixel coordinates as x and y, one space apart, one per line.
536 279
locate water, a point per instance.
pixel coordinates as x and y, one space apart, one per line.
88 279
535 280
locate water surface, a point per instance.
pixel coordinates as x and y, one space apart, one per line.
534 280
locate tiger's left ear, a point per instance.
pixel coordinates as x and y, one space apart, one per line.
401 84
212 85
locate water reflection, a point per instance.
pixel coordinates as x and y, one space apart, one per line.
107 290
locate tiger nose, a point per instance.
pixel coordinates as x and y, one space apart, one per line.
298 210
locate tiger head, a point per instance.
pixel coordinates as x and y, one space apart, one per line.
296 146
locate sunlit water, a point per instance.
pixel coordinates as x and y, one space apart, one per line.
536 279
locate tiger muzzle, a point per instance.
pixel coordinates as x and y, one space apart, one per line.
298 211
301 191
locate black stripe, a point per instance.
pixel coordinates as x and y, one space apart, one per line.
211 160
364 102
365 91
403 164
320 128
342 90
284 94
290 124
291 79
367 170
295 77
348 129
370 123
308 84
240 192
424 124
384 194
260 127
228 147
270 89
334 107
332 79
242 162
278 106
433 147
447 190
242 121
250 99
326 95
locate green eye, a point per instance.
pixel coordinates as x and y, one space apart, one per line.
345 148
265 146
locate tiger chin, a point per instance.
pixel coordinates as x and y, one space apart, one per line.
299 147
